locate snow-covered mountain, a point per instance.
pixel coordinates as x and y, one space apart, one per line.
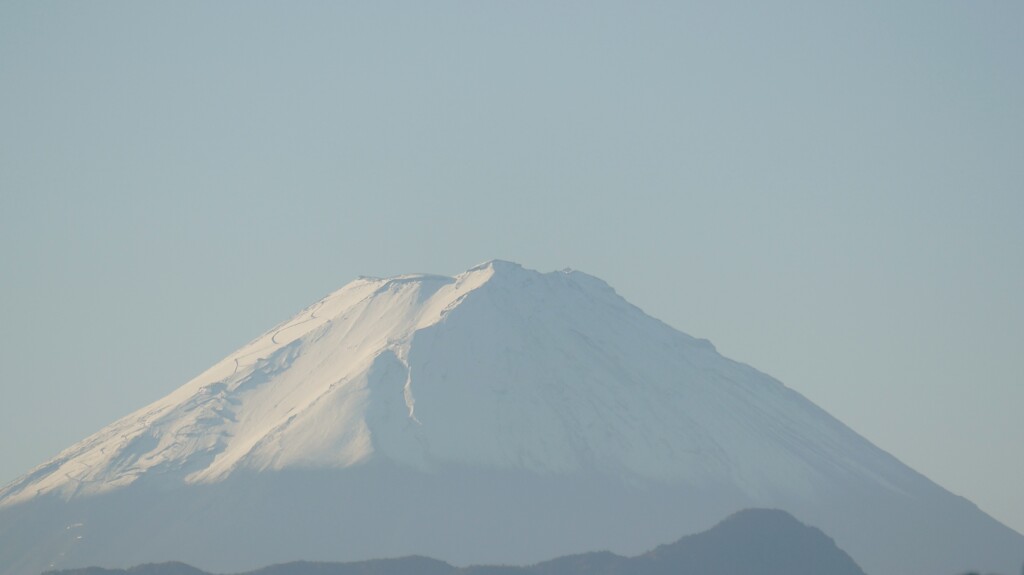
502 415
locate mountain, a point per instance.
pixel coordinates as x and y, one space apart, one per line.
751 542
502 416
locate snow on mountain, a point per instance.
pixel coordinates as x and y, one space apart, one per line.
554 373
549 377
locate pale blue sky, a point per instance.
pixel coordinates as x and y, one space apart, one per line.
833 194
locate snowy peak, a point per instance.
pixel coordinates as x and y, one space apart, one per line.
503 274
498 367
516 397
299 395
499 266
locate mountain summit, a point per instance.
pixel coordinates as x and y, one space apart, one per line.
502 415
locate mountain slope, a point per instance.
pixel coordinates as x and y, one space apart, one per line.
751 542
500 416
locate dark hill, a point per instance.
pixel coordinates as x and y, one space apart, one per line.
751 542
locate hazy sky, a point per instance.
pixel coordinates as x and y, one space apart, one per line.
832 194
